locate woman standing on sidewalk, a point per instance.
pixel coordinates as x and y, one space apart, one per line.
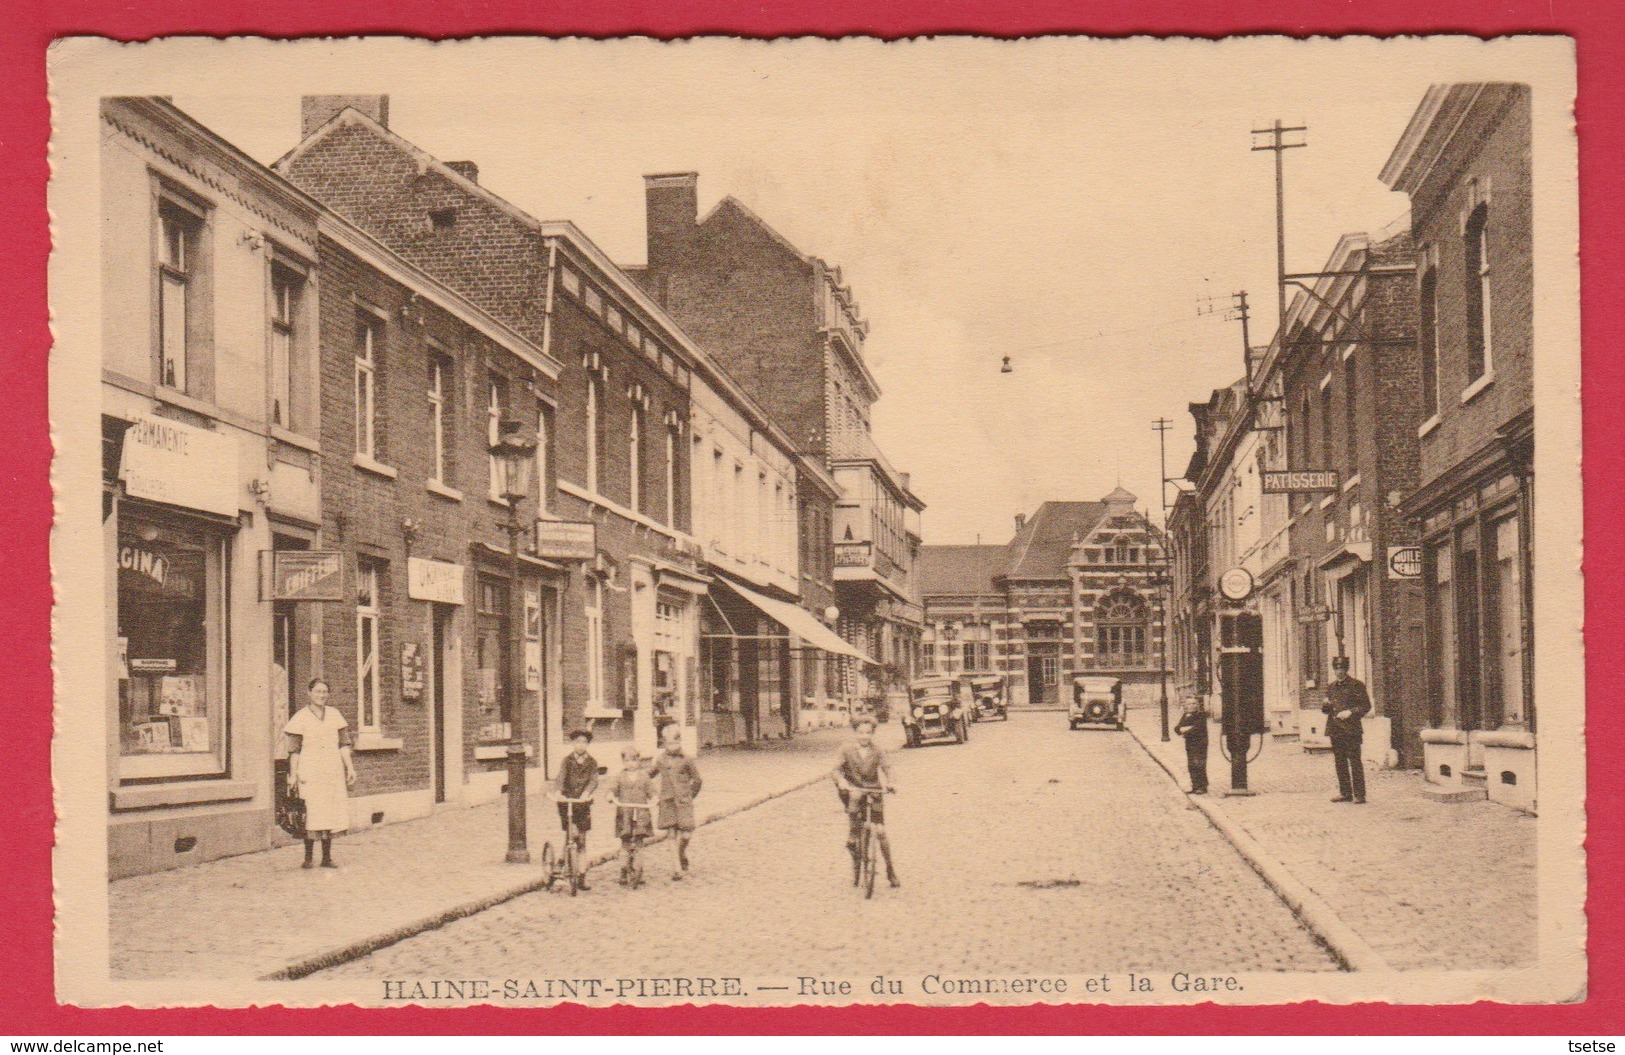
320 770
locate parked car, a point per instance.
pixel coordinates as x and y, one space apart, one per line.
1095 701
936 712
988 697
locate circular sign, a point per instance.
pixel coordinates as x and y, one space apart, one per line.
1236 584
1405 562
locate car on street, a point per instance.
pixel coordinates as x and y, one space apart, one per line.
1096 701
936 712
988 697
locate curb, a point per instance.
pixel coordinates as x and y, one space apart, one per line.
341 954
1353 952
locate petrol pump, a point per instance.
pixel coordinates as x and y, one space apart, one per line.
1241 673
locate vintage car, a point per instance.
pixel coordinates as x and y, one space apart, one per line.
936 712
988 697
1095 701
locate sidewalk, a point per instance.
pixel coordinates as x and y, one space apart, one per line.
257 914
1424 885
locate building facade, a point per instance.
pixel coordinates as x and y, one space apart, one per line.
1464 160
784 325
1344 382
211 460
622 440
1079 589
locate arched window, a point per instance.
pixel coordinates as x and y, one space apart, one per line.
1121 621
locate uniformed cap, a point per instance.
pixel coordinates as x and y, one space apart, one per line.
1340 663
581 734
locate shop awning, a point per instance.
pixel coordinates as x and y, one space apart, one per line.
1345 558
798 621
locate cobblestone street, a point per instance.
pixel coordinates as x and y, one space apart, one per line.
1390 869
1031 848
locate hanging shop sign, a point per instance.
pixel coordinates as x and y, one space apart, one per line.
566 539
1300 481
1315 613
1404 562
1236 584
301 575
434 580
180 465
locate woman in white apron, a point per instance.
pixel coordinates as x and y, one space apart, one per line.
320 770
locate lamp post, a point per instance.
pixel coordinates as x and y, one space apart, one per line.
515 453
1162 579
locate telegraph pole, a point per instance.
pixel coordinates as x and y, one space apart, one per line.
1277 143
1161 427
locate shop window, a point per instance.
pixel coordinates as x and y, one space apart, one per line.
496 397
544 458
288 346
1477 239
171 633
1444 635
1506 594
181 295
368 669
634 460
369 336
493 656
1428 334
442 386
1120 631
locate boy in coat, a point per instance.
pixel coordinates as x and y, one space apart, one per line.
1193 727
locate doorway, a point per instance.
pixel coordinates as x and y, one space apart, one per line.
439 636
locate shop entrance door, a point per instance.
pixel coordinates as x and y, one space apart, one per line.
285 695
437 689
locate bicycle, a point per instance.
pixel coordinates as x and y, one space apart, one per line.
632 871
566 867
866 857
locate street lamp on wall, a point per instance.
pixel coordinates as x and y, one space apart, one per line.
514 453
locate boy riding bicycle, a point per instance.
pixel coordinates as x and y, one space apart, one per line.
861 773
578 779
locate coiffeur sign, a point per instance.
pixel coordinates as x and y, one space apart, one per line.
180 465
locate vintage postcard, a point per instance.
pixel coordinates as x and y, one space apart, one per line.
940 522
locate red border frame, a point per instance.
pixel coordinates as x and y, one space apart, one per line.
27 1003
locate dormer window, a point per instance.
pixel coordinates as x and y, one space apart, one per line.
442 219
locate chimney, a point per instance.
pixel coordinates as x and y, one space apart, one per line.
316 110
466 169
1021 522
673 206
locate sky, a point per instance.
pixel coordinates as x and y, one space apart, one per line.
1076 205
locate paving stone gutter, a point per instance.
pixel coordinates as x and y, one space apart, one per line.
1353 952
354 950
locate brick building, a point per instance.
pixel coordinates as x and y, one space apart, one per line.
1078 589
1464 160
619 429
785 326
420 655
1338 390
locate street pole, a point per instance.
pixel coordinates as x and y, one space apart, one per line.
1161 427
518 850
1275 132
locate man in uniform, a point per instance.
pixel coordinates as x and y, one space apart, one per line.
1346 703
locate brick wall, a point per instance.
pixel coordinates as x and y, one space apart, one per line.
1494 148
364 510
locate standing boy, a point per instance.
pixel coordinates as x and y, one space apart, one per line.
862 768
1193 727
679 782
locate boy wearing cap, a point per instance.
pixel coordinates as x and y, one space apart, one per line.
632 789
678 780
861 768
1346 703
578 779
